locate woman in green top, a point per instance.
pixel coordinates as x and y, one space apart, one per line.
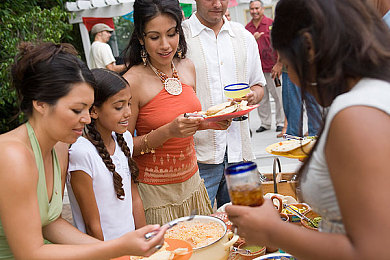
56 91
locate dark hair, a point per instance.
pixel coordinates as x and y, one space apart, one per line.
144 11
350 41
108 83
46 72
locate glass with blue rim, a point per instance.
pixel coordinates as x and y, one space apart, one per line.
237 92
244 184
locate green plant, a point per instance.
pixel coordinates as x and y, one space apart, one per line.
25 21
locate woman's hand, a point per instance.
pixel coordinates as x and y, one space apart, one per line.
136 244
254 223
184 126
220 125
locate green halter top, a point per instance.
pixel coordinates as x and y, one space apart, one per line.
49 211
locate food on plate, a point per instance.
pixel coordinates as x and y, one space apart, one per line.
315 222
197 233
223 109
227 110
289 145
215 109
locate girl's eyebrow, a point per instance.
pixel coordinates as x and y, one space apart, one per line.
174 27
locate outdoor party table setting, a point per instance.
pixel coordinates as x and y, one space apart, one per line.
198 237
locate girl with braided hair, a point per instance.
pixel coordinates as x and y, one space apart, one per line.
102 175
55 91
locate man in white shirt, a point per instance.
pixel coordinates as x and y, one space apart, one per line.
101 54
223 53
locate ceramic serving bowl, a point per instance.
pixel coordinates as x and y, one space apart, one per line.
254 251
312 215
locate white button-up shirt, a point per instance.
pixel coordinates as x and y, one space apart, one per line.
221 70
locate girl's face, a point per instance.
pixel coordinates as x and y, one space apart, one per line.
114 113
67 118
161 40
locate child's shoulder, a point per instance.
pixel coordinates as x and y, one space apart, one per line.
82 146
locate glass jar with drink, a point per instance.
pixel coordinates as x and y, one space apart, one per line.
244 184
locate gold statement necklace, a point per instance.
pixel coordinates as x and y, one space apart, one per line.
172 85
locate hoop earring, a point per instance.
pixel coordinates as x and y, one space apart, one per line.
179 53
144 55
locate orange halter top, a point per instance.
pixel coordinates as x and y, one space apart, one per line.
175 161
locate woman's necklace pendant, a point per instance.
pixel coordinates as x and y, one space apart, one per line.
173 86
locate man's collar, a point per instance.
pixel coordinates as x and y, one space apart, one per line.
197 27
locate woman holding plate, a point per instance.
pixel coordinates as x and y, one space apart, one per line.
162 82
338 51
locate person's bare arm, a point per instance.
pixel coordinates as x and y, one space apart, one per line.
357 146
179 127
117 68
83 190
138 207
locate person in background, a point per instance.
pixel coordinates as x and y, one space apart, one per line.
223 53
260 26
163 90
102 175
101 54
293 106
344 172
227 15
55 91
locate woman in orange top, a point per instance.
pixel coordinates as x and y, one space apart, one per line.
162 81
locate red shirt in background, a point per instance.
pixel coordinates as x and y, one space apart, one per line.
267 55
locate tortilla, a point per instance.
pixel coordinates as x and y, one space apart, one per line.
227 110
215 109
290 145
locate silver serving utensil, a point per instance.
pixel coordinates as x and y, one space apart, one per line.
300 215
172 223
241 250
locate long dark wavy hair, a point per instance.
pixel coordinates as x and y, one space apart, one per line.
350 42
144 11
108 83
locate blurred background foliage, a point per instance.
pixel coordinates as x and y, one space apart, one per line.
38 20
28 20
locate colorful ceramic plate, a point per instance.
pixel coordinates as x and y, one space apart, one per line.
230 115
276 256
173 244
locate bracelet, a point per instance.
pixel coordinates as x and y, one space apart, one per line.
146 146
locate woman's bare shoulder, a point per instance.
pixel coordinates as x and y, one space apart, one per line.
135 75
16 159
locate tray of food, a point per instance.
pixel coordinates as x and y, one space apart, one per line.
224 111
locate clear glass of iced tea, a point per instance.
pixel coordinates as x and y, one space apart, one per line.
244 184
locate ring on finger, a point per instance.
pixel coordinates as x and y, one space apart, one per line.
158 247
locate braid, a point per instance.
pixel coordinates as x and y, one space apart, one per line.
95 138
132 164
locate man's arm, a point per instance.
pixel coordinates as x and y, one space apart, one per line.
117 68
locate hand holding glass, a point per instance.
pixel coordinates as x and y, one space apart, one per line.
244 184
